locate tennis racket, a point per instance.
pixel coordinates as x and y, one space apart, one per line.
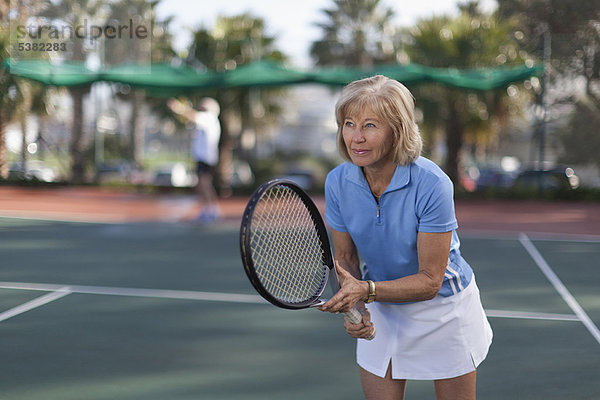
285 248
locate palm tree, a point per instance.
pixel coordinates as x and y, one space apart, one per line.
17 95
7 86
76 13
233 42
158 49
470 40
356 33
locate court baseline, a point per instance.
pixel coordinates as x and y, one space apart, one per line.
59 291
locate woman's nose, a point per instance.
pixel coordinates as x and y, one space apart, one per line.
358 136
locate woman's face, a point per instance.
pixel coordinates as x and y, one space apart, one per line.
369 140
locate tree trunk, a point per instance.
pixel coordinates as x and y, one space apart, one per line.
136 128
225 165
24 112
454 142
23 123
3 158
77 145
40 140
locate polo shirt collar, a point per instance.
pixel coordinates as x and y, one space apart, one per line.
400 179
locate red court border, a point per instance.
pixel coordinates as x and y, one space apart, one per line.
106 205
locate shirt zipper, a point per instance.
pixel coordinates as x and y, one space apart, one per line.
378 202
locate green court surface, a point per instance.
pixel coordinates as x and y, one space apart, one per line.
165 311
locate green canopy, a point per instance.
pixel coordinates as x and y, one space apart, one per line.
49 73
338 76
161 80
169 80
481 78
474 79
263 73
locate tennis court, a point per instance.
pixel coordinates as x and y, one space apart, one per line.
163 310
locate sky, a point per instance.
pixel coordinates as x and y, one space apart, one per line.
291 21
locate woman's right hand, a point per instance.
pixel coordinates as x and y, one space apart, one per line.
351 293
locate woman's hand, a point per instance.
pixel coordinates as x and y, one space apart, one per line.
361 330
351 292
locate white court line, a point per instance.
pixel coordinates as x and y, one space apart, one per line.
156 293
78 218
559 286
531 315
35 303
230 297
541 236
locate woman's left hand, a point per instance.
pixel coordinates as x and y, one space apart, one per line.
351 292
363 329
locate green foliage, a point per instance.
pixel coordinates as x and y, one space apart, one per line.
355 33
572 29
116 146
473 39
572 33
7 82
470 40
234 41
580 138
535 17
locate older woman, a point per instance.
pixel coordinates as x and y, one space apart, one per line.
394 210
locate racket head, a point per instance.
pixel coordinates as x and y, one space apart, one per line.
284 245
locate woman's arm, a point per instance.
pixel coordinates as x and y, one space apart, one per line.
183 110
348 268
432 249
346 254
347 265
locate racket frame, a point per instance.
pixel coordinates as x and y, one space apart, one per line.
246 252
354 315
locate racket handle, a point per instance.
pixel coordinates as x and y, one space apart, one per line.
355 317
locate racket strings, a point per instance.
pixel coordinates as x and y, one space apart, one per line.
287 242
286 248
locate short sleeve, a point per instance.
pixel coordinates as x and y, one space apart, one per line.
333 214
435 209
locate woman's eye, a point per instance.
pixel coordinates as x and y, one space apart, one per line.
370 125
349 123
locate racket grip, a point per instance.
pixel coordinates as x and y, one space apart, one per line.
355 317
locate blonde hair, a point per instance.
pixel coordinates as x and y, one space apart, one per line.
389 100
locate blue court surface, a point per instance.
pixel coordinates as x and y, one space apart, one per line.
164 311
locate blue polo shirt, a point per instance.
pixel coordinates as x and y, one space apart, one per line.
419 198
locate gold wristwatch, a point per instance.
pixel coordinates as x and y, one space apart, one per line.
371 295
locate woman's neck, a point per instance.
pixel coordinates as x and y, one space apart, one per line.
379 177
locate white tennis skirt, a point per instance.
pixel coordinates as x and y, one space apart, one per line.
441 338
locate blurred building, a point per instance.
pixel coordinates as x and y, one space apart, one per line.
307 124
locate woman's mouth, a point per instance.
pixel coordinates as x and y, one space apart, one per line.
359 152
